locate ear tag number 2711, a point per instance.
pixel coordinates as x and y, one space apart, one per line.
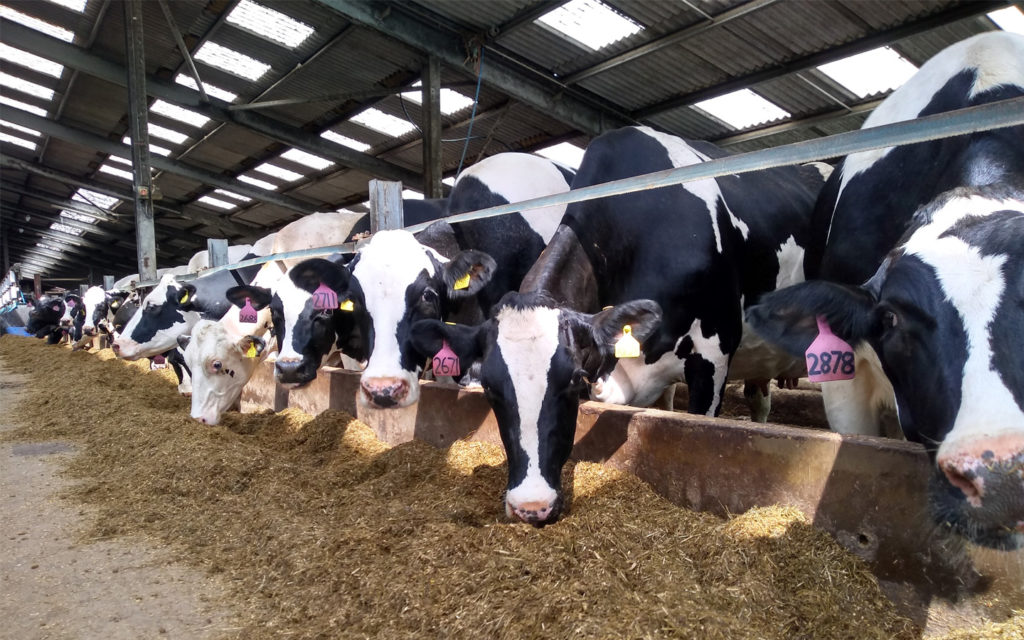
324 298
829 357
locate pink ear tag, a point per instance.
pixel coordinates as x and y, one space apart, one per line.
446 363
829 357
247 313
71 304
56 307
324 298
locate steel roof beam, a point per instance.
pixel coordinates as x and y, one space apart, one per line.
881 38
77 58
104 145
546 96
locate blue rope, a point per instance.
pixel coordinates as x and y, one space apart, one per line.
472 116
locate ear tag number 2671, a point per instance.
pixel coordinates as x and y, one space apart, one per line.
829 357
445 362
324 298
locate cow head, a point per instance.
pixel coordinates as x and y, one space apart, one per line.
220 363
72 310
536 360
393 282
98 305
944 313
166 313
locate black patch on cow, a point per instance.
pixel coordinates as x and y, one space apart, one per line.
158 317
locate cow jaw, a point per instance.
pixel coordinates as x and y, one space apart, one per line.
528 340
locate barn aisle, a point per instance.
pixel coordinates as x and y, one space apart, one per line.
54 584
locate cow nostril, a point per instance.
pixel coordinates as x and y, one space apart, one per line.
115 348
967 482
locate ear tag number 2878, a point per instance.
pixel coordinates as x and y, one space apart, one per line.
247 313
829 357
324 298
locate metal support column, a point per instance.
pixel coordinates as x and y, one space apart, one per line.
217 249
138 112
432 168
385 206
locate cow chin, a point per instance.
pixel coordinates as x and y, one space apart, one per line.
533 504
986 527
395 392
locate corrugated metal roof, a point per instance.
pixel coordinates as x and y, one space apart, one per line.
345 57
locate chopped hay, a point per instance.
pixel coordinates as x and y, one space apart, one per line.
321 531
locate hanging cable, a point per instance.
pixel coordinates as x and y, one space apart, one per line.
476 101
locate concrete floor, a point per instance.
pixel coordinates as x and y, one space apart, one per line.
54 585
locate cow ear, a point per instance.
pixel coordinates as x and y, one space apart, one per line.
643 317
308 275
259 296
468 342
183 341
787 317
467 273
251 346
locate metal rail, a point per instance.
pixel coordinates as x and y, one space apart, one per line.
1004 113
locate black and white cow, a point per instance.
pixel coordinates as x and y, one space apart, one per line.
689 257
73 319
44 321
447 271
923 250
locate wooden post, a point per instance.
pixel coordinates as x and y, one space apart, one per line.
37 286
432 128
385 206
82 288
217 248
108 283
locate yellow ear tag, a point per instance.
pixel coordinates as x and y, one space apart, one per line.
251 353
461 283
346 305
627 346
184 297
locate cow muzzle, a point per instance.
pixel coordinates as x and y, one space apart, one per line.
292 371
384 393
537 512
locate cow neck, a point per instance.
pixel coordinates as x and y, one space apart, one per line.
564 272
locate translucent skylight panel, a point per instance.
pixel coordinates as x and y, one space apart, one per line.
74 5
256 182
24 106
119 160
15 140
80 217
158 150
267 23
1008 19
37 24
30 61
97 199
24 86
310 160
563 153
215 202
411 194
175 112
63 228
876 71
450 181
211 90
742 109
387 124
116 171
231 61
18 127
590 23
278 172
451 101
345 141
229 194
170 135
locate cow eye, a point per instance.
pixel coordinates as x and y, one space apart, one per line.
430 296
217 365
890 320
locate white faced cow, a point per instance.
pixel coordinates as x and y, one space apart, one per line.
220 364
675 264
933 300
395 280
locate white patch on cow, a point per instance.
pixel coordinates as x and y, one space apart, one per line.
388 264
634 382
93 297
528 340
521 176
710 349
681 154
998 56
293 301
823 168
855 407
975 285
214 392
165 339
790 256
